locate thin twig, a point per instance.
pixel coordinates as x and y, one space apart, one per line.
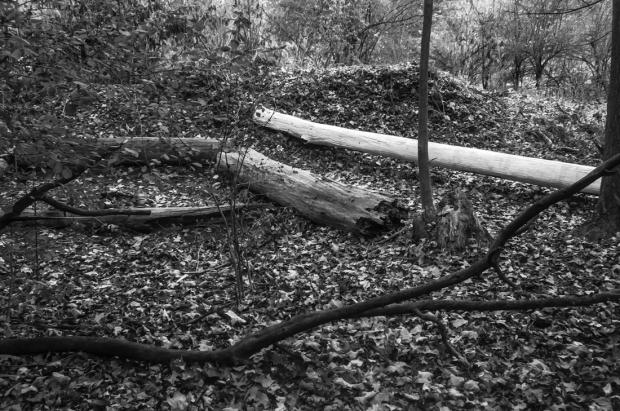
501 275
443 330
90 213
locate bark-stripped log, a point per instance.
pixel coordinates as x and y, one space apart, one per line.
321 200
547 173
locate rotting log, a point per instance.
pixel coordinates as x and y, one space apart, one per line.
547 173
135 150
322 200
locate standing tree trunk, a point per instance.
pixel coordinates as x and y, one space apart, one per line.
538 71
424 176
516 75
609 199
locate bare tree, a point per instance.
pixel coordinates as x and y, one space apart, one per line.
547 36
515 44
595 50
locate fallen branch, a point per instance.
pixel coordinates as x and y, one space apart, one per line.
322 200
129 217
305 322
493 305
37 192
111 347
60 206
77 169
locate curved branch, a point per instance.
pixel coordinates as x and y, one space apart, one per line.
547 201
493 305
501 274
37 192
110 347
305 322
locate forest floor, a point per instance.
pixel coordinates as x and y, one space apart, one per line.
174 286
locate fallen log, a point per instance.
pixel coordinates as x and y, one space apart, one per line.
547 173
321 200
135 150
132 217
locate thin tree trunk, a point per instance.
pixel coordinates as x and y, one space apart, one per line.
538 73
424 176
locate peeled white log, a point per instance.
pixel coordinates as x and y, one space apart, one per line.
547 173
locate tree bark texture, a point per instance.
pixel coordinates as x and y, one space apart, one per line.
609 200
321 200
424 175
547 173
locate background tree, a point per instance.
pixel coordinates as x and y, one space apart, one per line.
350 32
594 49
455 39
487 54
469 41
546 34
494 42
515 43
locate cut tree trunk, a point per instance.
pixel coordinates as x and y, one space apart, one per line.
547 173
321 200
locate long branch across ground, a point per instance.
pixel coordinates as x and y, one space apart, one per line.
381 305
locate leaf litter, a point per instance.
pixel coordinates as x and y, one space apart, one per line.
174 287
